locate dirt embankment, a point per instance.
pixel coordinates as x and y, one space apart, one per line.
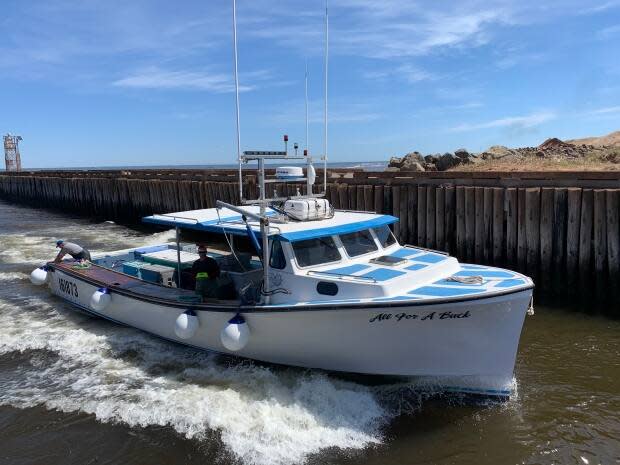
594 153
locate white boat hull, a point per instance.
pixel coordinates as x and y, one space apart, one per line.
466 345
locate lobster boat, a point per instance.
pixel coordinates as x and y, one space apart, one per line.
311 286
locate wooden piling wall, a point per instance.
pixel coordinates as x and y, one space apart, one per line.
564 232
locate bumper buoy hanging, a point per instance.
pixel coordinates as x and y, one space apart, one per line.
100 299
39 276
236 334
186 325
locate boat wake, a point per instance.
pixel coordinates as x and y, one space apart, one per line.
261 414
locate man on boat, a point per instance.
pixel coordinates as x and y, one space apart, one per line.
77 252
206 271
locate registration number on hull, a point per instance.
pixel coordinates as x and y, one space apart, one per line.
68 288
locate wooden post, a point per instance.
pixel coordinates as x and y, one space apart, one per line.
421 216
560 219
460 222
600 243
612 206
412 194
546 237
479 224
585 242
430 217
532 231
487 214
396 210
521 220
404 223
450 218
343 197
498 225
470 223
378 199
440 242
360 198
572 239
368 200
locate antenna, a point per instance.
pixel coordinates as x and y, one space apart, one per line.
237 100
306 91
325 102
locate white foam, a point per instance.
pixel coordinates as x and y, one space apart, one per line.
119 374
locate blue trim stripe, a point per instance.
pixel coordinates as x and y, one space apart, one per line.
430 258
383 274
486 274
433 291
349 270
416 267
510 283
346 228
404 253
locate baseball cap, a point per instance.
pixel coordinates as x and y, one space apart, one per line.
59 242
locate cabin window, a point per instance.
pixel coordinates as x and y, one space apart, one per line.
277 259
316 251
385 236
358 243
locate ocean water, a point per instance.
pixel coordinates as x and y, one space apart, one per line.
76 389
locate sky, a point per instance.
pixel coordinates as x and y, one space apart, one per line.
150 82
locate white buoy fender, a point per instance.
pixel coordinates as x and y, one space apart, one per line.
186 325
311 174
236 334
100 299
39 276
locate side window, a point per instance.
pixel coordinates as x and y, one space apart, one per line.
276 258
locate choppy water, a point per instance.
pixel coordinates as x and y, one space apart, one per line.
77 390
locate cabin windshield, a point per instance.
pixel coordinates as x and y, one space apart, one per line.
358 243
318 251
385 236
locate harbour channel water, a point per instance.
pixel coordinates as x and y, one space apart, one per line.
78 390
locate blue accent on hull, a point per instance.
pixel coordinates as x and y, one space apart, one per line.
349 270
510 283
430 258
383 274
404 253
486 273
445 291
416 267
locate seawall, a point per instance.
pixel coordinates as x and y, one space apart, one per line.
561 228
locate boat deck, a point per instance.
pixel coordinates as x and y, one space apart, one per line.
120 281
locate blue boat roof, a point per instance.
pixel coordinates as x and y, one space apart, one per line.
222 221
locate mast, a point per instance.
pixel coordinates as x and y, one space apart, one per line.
237 100
306 92
325 100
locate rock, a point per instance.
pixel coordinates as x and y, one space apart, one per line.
429 167
392 169
430 158
413 166
447 161
496 151
463 154
395 162
554 143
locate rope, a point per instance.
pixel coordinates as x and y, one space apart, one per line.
466 279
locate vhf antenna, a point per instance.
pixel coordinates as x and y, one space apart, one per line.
237 101
325 102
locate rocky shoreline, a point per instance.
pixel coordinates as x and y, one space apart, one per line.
551 151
